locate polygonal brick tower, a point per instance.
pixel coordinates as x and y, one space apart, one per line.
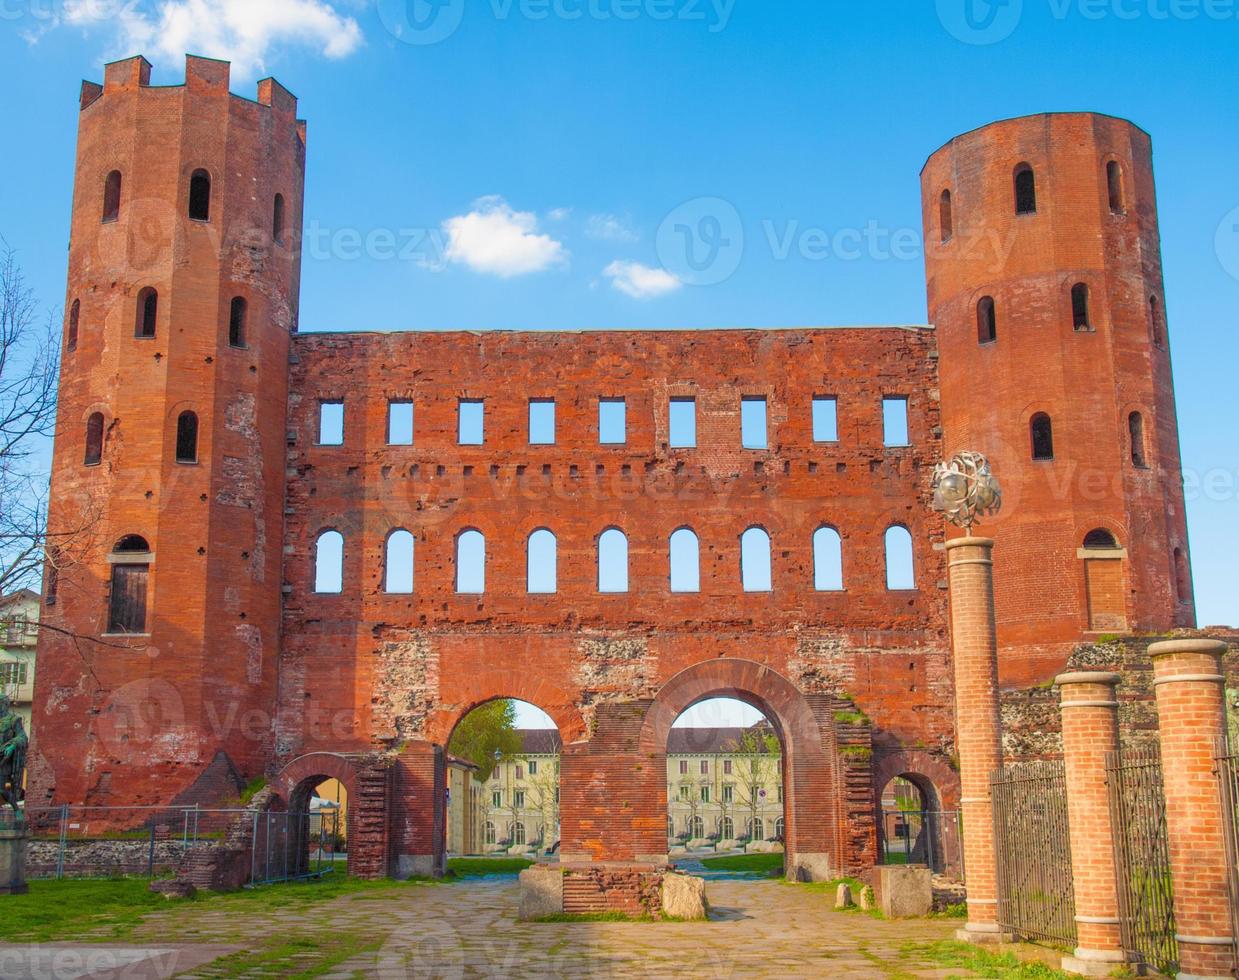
157 673
1045 282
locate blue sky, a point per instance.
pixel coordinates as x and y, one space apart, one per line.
530 167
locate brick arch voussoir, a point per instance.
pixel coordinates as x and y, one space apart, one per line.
924 768
483 686
327 764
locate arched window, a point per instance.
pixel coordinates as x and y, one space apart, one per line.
757 828
277 219
398 563
827 560
987 321
200 196
1025 190
1099 539
490 831
1182 577
94 439
542 577
148 313
698 828
1114 184
685 561
1155 322
329 563
1079 308
900 571
471 563
75 315
187 438
131 563
727 829
946 219
778 828
612 561
111 196
1135 429
238 313
1041 431
755 560
518 833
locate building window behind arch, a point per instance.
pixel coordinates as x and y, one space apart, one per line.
1041 432
827 560
94 439
398 563
329 563
187 438
685 553
111 197
987 320
1114 186
238 313
755 572
1135 431
131 562
518 833
1025 190
148 314
490 832
727 829
1080 318
471 563
200 196
277 219
75 316
612 561
900 570
1182 577
946 217
541 559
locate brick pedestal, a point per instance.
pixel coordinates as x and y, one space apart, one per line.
1191 708
978 730
1090 731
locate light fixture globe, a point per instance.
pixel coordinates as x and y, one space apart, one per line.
965 490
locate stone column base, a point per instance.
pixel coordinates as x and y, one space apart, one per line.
418 866
13 861
984 934
809 867
1094 962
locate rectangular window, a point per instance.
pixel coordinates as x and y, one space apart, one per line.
12 674
683 767
705 767
496 799
753 423
470 422
331 423
729 792
541 422
727 767
520 772
400 423
895 421
683 419
520 799
127 605
612 422
825 419
705 794
533 767
684 793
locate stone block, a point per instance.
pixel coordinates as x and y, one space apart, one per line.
867 900
810 867
843 897
904 891
684 897
13 861
542 892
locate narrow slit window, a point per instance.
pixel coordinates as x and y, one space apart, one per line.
685 552
683 423
470 422
75 316
900 571
331 423
541 422
612 561
1114 184
1080 318
895 422
398 563
111 197
1156 323
1135 430
148 313
399 423
1042 434
541 573
329 563
753 425
277 219
612 422
755 572
94 439
200 196
946 218
825 418
827 560
238 313
1182 577
187 438
471 563
987 320
1025 190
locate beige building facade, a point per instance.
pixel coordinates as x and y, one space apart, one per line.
19 633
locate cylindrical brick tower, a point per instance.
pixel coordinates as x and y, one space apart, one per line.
1044 273
157 672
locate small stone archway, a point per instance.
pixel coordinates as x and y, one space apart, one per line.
809 772
484 686
937 835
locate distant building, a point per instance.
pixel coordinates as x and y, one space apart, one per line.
19 633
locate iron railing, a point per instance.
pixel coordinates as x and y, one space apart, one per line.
929 837
1227 763
1035 892
1142 857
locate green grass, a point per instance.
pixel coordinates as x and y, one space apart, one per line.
830 888
481 867
757 863
957 910
981 962
299 958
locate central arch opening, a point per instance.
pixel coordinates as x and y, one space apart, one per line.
726 813
913 828
503 789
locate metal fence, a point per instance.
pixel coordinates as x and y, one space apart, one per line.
930 837
1142 858
1228 774
1035 896
292 846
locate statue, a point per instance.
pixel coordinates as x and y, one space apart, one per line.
13 742
965 490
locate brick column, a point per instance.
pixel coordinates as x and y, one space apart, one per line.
1090 730
1191 709
978 728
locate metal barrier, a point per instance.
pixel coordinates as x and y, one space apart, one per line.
1033 848
929 837
1228 775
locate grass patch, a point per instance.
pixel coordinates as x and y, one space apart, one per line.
756 863
956 910
298 958
482 867
831 887
982 962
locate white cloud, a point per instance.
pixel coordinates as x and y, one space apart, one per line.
640 281
610 228
496 240
244 32
559 214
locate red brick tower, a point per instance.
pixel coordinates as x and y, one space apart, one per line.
1045 282
157 675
